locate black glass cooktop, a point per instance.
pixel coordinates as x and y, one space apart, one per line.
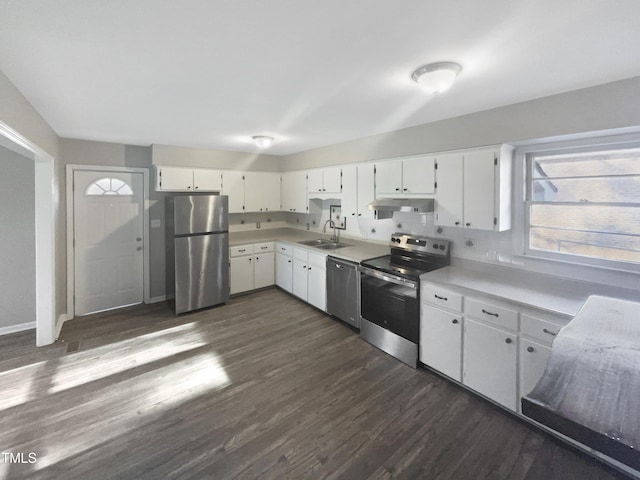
388 264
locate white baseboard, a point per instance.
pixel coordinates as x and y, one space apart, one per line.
17 328
61 319
159 299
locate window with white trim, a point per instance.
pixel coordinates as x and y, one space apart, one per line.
108 186
584 205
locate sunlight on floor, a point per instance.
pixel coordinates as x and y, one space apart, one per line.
146 398
4 470
96 363
16 385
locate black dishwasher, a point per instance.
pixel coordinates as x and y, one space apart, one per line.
342 290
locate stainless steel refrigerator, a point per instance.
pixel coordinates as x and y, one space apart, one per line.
197 251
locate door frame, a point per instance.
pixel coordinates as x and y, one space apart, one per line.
71 169
45 201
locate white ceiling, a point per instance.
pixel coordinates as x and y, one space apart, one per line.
211 73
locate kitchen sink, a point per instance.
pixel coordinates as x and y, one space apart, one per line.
323 244
316 242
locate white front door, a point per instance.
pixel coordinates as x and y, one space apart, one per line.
108 240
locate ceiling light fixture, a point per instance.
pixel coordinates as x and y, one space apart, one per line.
262 141
437 77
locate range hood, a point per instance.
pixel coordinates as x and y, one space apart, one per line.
390 205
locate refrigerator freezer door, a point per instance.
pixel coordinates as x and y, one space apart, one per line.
201 271
200 214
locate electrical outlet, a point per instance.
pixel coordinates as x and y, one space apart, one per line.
257 224
468 242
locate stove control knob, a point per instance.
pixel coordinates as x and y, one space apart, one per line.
393 239
441 247
435 246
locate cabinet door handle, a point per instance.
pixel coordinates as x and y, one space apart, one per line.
457 223
309 268
397 189
353 214
468 224
359 214
289 261
531 349
489 313
454 320
249 260
441 298
508 340
405 189
549 332
257 258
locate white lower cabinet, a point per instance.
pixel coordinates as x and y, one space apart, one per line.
264 270
489 362
533 361
493 346
284 267
441 340
241 274
251 267
309 277
317 281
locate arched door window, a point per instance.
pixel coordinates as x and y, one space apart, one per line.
108 186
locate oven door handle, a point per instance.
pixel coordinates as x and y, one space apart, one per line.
388 278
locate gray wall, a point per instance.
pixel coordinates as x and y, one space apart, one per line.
20 115
17 241
609 106
203 158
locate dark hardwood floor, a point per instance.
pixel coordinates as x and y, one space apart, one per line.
263 387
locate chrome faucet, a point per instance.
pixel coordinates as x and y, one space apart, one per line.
334 237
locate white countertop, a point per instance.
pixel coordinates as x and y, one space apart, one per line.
554 294
357 250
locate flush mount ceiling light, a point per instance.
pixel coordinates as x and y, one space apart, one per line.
437 77
262 141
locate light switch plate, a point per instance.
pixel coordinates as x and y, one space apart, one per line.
155 223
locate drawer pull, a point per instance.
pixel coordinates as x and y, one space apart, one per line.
242 250
441 298
454 320
489 313
283 249
531 349
508 340
549 332
263 248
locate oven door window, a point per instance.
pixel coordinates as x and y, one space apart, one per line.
393 307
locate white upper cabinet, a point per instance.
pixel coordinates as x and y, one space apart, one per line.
179 179
358 190
207 180
406 177
366 189
474 189
418 175
261 191
389 177
315 180
294 192
332 180
449 194
233 187
323 181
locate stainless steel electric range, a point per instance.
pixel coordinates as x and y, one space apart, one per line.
390 293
